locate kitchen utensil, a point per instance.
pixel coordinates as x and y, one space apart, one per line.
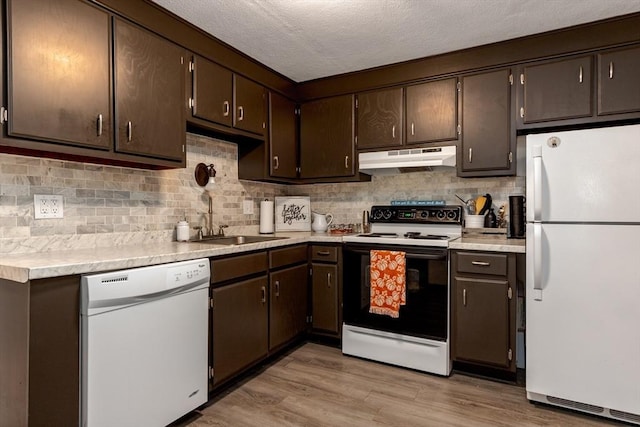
486 205
480 201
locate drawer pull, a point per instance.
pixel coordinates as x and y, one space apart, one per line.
323 253
225 106
481 263
99 125
277 288
328 280
263 290
464 297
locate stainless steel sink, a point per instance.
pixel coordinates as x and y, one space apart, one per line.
236 240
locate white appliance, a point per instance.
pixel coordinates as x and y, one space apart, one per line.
583 277
406 160
144 344
419 337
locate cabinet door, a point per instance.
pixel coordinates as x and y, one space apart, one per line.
324 297
481 321
149 81
239 326
488 137
557 90
327 138
282 137
618 88
432 111
212 91
249 102
288 302
379 118
59 72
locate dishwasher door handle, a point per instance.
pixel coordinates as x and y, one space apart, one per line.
137 299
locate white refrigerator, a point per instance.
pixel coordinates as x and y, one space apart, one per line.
583 270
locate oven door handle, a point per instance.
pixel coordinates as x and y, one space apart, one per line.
441 255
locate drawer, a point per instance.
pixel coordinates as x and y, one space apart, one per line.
324 253
238 266
482 263
287 256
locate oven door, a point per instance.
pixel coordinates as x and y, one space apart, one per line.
426 312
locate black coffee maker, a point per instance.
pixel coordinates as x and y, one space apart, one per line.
517 217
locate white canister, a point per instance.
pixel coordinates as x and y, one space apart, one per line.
182 231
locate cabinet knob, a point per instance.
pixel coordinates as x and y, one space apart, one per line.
580 73
277 288
276 162
226 108
129 131
464 297
328 280
263 290
611 69
393 132
346 162
99 124
470 155
240 113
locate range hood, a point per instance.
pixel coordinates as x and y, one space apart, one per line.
406 160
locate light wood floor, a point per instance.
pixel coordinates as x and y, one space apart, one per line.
315 385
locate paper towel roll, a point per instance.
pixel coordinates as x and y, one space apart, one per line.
266 216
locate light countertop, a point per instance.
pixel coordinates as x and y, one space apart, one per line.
28 266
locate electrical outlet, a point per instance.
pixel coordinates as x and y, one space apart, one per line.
48 206
247 207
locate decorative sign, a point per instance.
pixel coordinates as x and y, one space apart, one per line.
293 213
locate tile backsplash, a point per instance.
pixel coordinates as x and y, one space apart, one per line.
108 205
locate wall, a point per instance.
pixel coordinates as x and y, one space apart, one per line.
347 201
106 206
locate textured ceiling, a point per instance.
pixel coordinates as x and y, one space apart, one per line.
309 39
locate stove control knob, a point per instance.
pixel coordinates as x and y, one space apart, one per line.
441 215
377 214
386 214
424 214
451 214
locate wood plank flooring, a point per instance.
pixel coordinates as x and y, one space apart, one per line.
315 385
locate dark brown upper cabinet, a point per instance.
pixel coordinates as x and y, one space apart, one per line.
63 89
283 143
432 111
149 81
379 118
557 90
618 88
327 138
222 97
488 135
59 82
249 101
212 91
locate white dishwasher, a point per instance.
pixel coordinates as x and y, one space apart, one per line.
144 336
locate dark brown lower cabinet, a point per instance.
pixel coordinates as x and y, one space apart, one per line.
483 309
40 352
240 328
288 305
326 299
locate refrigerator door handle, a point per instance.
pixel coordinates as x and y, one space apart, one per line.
537 261
537 183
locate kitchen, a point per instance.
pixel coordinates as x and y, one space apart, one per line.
111 202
